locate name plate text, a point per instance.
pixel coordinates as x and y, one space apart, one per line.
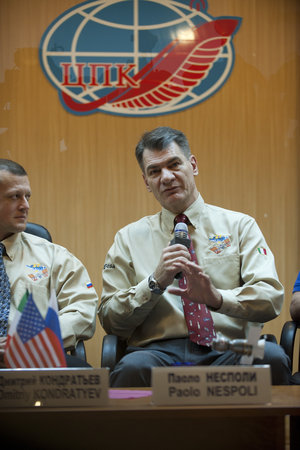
53 387
211 385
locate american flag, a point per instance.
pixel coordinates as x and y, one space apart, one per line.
33 341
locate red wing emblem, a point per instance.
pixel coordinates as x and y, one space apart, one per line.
176 70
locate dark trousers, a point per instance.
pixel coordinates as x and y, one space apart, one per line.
134 369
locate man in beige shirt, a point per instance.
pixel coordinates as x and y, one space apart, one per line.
37 265
235 276
295 302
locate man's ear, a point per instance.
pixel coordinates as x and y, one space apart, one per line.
194 164
146 183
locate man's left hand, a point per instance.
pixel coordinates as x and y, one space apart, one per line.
199 288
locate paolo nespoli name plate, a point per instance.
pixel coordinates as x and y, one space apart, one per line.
211 385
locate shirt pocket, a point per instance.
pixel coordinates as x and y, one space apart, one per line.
224 271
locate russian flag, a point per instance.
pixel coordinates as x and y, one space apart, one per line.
52 329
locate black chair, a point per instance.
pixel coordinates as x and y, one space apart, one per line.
287 341
113 348
78 351
40 231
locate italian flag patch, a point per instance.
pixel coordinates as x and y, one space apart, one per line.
262 250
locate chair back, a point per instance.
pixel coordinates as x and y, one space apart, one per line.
38 230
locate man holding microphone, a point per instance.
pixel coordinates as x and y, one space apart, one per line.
227 278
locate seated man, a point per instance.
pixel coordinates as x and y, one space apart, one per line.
295 303
295 315
229 276
36 265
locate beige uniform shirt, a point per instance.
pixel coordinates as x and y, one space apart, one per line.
38 265
230 248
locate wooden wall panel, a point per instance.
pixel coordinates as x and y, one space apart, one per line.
85 180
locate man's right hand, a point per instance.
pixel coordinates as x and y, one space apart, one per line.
172 261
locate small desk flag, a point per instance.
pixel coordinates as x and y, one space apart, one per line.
33 341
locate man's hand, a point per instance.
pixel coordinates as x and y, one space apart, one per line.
199 287
172 261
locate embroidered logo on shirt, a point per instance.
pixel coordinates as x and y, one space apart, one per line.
109 266
218 242
89 285
37 272
262 250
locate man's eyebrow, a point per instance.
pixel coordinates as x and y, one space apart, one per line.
17 190
154 166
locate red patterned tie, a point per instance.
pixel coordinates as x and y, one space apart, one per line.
198 318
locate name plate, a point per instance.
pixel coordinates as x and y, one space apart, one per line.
53 387
206 385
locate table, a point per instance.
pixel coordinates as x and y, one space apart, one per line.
137 424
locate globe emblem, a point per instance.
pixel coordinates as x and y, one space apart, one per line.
137 57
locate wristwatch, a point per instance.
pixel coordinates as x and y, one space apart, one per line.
154 286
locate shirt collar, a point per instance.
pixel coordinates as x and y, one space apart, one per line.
193 212
11 243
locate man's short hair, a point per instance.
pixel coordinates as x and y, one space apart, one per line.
12 167
159 139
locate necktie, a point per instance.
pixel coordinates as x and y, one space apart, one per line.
4 295
198 318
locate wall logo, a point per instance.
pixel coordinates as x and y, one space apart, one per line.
137 57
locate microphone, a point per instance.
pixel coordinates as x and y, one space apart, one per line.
181 237
240 346
249 350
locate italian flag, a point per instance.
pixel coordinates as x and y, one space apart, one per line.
262 250
14 324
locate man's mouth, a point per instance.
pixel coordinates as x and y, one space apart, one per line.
171 189
21 217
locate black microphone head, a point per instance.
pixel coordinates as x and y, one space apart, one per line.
181 237
181 230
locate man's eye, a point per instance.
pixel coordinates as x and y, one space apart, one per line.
153 172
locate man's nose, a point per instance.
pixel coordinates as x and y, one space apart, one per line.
166 175
24 204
